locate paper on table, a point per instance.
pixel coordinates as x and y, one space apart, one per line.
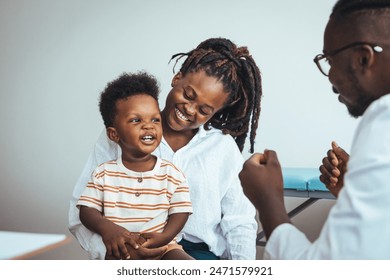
17 244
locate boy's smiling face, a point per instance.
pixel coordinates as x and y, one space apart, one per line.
137 125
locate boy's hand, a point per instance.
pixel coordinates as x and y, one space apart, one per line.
154 239
115 239
133 243
143 253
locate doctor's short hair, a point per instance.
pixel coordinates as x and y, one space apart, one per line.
346 7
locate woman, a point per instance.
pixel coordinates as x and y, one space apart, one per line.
213 104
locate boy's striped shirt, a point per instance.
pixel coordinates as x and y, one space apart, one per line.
137 201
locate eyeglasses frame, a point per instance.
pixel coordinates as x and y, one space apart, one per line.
375 47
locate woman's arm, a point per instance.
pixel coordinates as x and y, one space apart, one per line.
238 224
103 151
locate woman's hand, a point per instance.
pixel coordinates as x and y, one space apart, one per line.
333 168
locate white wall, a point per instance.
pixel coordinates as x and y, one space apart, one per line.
56 57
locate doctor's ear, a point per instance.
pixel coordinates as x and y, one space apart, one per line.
112 134
367 55
363 60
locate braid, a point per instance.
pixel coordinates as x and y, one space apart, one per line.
345 7
241 79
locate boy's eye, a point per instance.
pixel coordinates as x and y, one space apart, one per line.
135 120
156 120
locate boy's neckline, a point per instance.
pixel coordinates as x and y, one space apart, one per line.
140 167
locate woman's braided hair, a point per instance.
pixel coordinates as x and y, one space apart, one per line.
241 78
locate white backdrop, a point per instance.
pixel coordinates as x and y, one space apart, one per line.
57 56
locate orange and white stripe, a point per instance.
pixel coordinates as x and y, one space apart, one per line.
138 201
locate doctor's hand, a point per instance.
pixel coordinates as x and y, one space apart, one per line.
262 182
261 178
333 168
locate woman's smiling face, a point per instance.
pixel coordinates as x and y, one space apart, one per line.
193 100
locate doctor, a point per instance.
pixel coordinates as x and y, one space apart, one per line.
356 60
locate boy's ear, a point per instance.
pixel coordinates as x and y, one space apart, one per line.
176 78
112 134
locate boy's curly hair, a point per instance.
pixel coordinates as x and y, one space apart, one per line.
127 84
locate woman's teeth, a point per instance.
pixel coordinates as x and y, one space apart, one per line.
180 115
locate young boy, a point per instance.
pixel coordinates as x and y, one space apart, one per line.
138 199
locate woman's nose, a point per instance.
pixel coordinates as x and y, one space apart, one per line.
190 108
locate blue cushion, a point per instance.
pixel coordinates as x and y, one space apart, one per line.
304 182
298 178
314 184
